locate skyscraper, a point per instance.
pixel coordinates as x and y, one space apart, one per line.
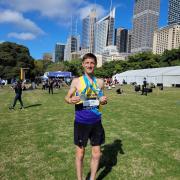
166 38
129 41
71 46
104 30
145 21
88 31
174 12
59 52
120 40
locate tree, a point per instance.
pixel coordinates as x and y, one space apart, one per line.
13 57
170 57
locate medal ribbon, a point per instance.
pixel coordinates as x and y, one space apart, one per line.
97 91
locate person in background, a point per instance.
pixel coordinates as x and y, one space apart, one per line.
144 90
50 84
43 85
18 91
115 80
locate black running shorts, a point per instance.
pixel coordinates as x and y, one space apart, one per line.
93 132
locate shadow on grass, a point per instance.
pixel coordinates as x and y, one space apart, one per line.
108 158
33 105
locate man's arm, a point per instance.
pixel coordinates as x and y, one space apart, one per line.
103 99
70 98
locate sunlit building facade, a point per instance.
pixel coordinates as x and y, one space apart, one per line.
145 21
104 31
166 38
88 30
72 45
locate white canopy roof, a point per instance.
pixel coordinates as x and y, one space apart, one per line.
166 75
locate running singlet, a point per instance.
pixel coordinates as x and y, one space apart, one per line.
87 110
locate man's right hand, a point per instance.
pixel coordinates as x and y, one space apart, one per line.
74 99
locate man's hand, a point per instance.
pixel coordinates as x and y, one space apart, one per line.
103 100
74 99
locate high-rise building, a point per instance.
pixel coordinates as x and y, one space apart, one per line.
110 53
71 46
104 31
88 31
121 39
59 52
145 21
129 41
47 56
166 38
174 12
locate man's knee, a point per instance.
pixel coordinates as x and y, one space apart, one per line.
80 153
96 153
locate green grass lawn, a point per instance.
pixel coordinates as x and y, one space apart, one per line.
142 136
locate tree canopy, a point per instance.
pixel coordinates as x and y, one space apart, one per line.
14 56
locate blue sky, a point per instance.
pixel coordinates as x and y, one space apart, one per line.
39 24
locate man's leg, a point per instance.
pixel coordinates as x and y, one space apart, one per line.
20 100
79 161
96 154
15 100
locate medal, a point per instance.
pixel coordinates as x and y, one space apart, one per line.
83 97
99 93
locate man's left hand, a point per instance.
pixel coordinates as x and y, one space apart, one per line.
103 100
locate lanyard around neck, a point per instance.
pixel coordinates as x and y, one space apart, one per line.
97 91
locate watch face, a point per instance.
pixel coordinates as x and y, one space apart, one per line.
83 97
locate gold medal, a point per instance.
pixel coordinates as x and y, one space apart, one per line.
83 97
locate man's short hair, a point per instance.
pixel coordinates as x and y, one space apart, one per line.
91 56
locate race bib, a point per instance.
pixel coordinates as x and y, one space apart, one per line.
91 103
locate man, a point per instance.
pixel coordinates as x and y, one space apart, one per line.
87 95
50 83
144 89
18 91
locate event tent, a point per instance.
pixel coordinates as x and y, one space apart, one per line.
167 75
63 74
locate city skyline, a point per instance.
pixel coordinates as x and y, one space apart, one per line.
39 25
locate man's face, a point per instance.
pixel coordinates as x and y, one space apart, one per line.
89 65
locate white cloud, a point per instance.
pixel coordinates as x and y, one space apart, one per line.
84 11
51 8
9 16
22 36
60 10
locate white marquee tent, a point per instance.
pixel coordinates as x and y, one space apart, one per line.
165 75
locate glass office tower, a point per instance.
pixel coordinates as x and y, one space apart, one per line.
104 31
145 21
88 31
174 12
